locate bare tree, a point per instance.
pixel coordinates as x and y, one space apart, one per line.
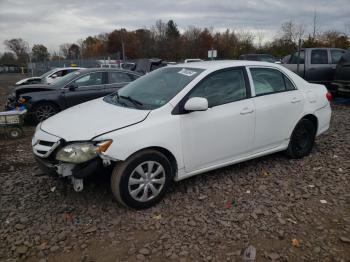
315 25
292 32
19 47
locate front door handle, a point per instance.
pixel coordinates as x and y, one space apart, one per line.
295 100
247 110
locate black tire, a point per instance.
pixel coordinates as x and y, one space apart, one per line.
124 171
302 139
14 132
44 110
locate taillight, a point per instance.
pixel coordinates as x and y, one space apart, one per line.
329 96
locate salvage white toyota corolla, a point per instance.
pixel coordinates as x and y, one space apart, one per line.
180 121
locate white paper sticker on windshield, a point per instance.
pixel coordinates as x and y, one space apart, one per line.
187 72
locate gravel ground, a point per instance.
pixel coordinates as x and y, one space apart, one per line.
272 204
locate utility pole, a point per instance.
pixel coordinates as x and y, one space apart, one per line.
123 52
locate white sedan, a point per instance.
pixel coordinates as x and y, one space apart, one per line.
49 77
181 121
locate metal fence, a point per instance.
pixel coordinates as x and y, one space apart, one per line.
39 68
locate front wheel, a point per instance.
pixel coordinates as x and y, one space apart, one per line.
302 139
142 180
43 111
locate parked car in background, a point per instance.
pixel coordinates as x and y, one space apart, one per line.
341 82
259 57
190 60
43 100
49 77
183 120
317 65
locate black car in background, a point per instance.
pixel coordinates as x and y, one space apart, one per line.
341 82
43 101
259 57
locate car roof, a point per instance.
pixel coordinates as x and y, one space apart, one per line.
214 65
101 69
68 67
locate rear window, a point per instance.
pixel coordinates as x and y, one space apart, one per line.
294 58
319 56
336 55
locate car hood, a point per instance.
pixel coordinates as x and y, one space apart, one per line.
33 88
27 79
88 120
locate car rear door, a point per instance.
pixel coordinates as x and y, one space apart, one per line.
278 105
87 87
118 79
226 130
319 66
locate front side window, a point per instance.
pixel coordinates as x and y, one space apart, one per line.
267 81
222 87
319 56
89 80
155 89
294 58
336 55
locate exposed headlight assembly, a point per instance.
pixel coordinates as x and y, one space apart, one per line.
82 152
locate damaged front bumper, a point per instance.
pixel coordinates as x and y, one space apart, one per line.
75 172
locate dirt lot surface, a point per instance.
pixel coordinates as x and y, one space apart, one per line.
288 210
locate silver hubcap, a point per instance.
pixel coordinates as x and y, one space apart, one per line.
44 111
146 181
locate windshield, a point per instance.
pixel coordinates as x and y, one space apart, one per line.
61 82
48 73
154 89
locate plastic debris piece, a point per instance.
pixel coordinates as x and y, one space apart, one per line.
340 169
228 205
248 191
295 242
323 201
264 173
52 189
335 156
157 217
312 186
291 220
249 253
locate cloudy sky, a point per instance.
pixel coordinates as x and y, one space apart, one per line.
54 22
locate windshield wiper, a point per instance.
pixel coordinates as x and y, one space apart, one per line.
132 100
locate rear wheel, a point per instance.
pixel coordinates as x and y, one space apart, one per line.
302 139
43 111
14 132
142 180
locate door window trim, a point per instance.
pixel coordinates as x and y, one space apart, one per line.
179 108
284 75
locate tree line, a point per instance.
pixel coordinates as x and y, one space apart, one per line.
164 40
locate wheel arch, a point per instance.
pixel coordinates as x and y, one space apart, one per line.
169 155
312 118
45 101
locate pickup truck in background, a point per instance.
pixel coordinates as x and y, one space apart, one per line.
316 65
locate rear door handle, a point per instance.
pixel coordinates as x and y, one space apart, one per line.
247 110
295 100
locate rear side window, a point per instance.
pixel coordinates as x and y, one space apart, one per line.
91 79
119 77
222 87
319 56
336 55
268 81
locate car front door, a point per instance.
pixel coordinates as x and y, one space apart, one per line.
278 105
226 130
87 87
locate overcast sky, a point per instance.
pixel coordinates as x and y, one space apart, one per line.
54 22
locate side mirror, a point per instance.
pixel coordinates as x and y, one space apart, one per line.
196 104
54 76
72 87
